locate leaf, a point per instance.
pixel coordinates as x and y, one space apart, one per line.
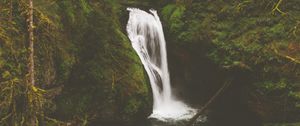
6 74
34 88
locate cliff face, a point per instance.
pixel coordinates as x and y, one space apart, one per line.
254 42
107 82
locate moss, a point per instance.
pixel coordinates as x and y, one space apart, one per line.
273 86
172 13
243 36
81 45
132 106
108 76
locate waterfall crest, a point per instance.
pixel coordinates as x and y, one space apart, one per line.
146 35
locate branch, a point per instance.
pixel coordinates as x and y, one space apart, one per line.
212 99
294 60
276 8
5 118
55 121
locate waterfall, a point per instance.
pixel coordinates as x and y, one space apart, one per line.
146 35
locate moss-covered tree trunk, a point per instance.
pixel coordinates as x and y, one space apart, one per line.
31 80
31 40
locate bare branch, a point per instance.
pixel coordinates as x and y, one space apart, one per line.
276 8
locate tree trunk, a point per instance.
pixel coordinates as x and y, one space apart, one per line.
31 80
31 43
10 11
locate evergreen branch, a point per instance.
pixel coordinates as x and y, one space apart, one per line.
5 118
292 59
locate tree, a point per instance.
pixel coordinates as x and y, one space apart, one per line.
31 44
31 52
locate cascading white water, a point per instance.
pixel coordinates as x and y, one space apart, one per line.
147 38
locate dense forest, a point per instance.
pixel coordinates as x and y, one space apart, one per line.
70 62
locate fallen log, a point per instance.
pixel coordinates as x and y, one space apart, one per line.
208 103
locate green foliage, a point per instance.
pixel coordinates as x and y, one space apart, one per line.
132 106
172 13
22 103
245 36
106 69
81 46
271 86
